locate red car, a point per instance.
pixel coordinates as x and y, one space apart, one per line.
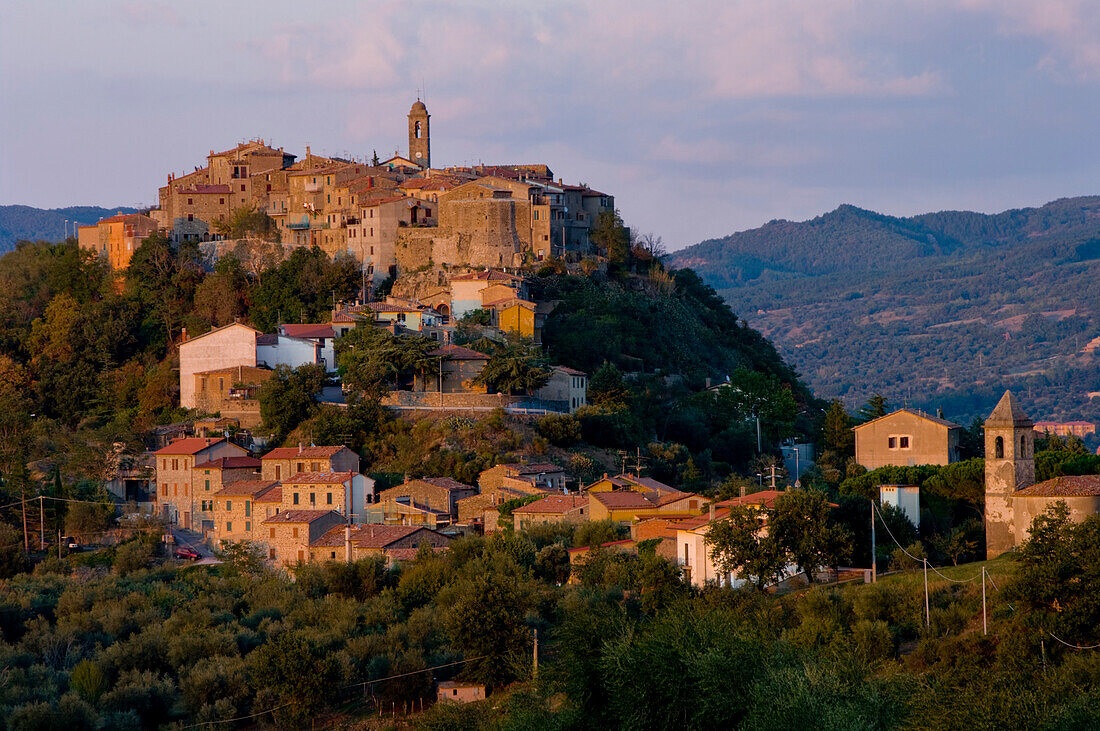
188 553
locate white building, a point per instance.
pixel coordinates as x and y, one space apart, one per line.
904 497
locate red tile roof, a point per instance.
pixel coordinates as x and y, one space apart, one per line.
457 352
1063 486
253 488
303 452
622 500
189 445
229 463
274 495
570 371
554 505
369 535
308 330
386 307
912 412
445 482
764 497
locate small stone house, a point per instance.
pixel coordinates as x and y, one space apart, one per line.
452 691
552 509
291 532
429 501
209 477
176 498
389 542
907 437
235 514
284 462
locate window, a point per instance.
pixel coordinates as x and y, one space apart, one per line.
314 466
999 448
1023 446
207 484
333 554
301 466
164 489
903 442
294 532
228 526
295 498
228 505
248 508
190 217
892 442
221 201
248 525
330 498
190 202
312 498
175 464
242 187
271 553
271 532
278 471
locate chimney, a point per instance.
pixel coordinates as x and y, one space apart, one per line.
300 447
347 542
183 335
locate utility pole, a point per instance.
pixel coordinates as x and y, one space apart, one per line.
985 617
26 539
927 612
874 557
757 433
42 522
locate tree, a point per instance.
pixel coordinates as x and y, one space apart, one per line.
838 436
162 279
222 297
299 673
516 366
606 387
802 526
741 544
247 222
612 237
552 563
875 407
289 397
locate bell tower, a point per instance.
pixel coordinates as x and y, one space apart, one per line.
1009 466
420 149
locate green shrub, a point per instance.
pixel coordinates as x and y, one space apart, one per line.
561 429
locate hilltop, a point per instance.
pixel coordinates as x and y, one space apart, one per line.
26 223
941 309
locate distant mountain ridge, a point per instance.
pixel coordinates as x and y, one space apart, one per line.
855 239
940 309
47 224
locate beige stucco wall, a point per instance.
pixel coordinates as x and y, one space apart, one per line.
232 345
929 443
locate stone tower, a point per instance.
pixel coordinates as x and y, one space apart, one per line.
420 148
1009 466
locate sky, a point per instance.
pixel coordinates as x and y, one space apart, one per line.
702 118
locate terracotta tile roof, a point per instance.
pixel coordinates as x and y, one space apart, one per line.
388 199
121 218
308 330
554 505
409 554
370 535
253 488
622 500
1063 486
700 521
650 483
764 497
319 478
589 191
303 452
274 495
671 497
570 371
229 463
387 307
457 352
445 482
583 549
531 469
189 445
301 516
912 412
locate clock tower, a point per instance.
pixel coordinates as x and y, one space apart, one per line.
420 149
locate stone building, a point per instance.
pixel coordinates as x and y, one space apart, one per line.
174 479
224 347
388 542
282 463
542 476
907 437
430 501
117 238
1012 499
552 509
420 146
210 476
232 392
348 493
287 536
235 513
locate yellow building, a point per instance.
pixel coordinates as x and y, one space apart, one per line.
907 437
117 238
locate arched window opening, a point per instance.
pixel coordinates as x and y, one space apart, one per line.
416 130
999 448
1023 445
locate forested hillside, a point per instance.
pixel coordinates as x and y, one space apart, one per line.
25 223
941 310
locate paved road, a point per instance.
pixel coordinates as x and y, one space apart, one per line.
193 540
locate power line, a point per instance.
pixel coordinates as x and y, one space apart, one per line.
1072 647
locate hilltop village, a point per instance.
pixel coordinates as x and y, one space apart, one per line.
394 216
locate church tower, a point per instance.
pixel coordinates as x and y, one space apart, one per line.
1009 466
420 149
